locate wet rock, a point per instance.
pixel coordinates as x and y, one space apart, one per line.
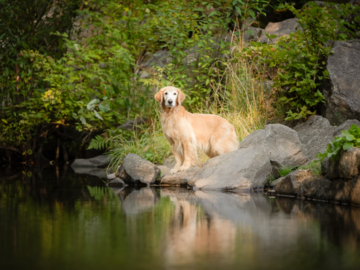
355 191
346 167
280 143
99 161
179 178
243 169
341 91
135 170
117 182
318 188
98 172
279 29
289 184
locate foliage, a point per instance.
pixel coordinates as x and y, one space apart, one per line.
284 171
314 166
27 25
300 57
350 138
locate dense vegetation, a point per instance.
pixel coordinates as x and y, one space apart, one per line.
71 71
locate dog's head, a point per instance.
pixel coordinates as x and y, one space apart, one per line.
170 96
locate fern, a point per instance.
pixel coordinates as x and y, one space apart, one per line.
97 143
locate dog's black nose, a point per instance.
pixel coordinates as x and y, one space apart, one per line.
170 101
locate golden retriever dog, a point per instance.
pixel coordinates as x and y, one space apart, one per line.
187 132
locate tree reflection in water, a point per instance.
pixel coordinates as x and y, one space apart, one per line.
57 220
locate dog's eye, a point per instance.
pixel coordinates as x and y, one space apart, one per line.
165 93
174 94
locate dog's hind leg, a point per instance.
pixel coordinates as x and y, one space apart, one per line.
225 142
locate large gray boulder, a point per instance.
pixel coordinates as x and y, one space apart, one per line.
316 132
243 169
342 90
135 170
280 143
279 29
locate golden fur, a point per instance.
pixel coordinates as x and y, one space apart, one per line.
186 131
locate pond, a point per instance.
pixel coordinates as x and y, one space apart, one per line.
56 219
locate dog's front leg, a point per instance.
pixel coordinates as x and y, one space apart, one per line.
178 160
190 156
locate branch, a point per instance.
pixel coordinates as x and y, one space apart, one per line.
11 148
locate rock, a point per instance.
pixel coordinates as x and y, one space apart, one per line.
94 171
346 167
111 176
318 188
341 91
252 34
179 178
355 190
160 58
315 134
99 161
138 170
280 143
283 146
346 125
169 161
289 184
132 124
255 139
244 169
279 29
116 182
164 170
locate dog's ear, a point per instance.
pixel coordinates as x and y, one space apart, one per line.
159 96
181 96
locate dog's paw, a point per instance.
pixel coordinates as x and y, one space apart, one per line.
183 168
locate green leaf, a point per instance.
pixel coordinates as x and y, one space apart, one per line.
83 120
347 145
98 115
92 104
104 107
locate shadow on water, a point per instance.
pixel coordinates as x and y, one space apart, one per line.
56 219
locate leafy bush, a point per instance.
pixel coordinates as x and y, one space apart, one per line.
300 57
351 138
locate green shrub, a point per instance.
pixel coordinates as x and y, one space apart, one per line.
351 138
300 57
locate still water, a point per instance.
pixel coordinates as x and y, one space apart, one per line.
63 220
